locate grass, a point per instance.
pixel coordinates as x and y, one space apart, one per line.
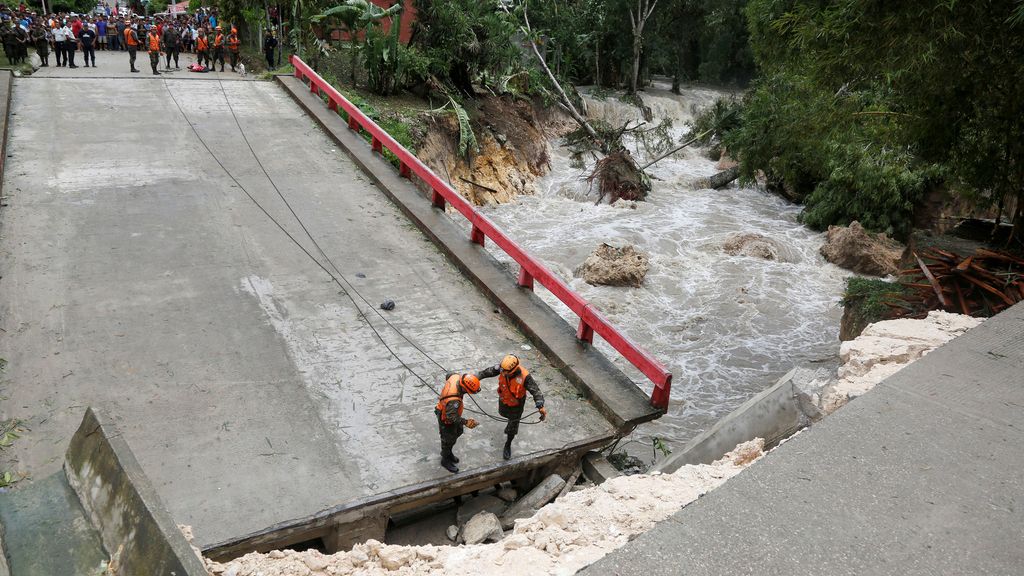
867 298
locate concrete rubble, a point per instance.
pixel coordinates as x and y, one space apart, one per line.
484 527
561 538
884 348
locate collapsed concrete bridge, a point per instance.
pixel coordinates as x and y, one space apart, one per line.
200 260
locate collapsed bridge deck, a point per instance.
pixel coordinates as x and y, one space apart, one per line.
141 278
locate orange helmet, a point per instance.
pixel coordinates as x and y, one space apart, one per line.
509 363
470 383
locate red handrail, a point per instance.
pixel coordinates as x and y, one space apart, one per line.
531 270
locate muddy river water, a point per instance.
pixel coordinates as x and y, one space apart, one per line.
726 326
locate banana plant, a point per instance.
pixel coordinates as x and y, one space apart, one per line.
356 16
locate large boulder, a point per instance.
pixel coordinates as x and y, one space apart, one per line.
611 266
484 527
751 244
854 248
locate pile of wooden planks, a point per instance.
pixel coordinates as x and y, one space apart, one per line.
982 284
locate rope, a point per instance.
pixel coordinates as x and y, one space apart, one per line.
346 287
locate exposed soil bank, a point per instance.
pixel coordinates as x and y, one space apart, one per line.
514 151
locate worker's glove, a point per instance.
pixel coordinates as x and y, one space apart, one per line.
470 423
543 413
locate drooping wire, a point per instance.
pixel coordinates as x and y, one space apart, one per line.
336 276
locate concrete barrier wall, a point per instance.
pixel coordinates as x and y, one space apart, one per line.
774 415
136 529
6 88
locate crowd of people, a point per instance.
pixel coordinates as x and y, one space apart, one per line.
65 34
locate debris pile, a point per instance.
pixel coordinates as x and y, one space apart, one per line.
611 266
854 248
982 284
884 348
751 244
561 538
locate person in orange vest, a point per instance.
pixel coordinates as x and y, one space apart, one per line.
203 48
233 45
450 422
153 42
218 49
131 40
514 382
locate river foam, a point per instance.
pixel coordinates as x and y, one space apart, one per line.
726 326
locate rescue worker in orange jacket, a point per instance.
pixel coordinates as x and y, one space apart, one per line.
153 43
514 382
450 422
233 45
203 48
218 49
131 39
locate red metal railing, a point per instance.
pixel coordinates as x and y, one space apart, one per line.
531 270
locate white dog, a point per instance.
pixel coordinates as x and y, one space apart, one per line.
241 69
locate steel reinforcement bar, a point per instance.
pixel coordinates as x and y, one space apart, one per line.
530 269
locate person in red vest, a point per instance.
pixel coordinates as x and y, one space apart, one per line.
450 422
514 382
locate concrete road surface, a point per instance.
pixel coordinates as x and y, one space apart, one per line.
138 277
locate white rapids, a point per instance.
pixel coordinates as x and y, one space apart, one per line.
726 326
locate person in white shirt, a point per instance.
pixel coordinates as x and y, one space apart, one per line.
59 37
69 46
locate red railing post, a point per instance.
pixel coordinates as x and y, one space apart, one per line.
403 171
313 87
584 332
477 235
353 124
375 145
525 279
437 200
660 394
332 104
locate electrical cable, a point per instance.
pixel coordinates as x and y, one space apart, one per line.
337 275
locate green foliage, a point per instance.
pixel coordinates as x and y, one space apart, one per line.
467 139
867 298
464 41
194 5
157 6
865 103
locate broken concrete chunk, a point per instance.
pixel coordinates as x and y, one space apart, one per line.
507 494
484 527
474 506
452 533
534 499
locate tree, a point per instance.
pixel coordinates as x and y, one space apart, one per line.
357 17
865 104
638 20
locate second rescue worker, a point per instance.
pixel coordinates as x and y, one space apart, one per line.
513 383
154 49
449 415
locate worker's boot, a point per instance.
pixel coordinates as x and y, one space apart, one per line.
447 463
453 457
507 452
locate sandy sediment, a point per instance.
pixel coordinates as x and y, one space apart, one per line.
561 538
